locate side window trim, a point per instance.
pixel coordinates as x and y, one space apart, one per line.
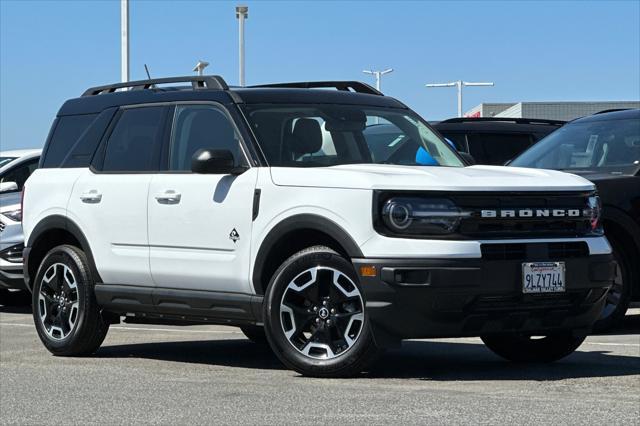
170 128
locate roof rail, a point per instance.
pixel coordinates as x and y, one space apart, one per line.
355 86
505 119
197 82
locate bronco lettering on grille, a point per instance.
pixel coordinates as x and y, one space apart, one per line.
524 213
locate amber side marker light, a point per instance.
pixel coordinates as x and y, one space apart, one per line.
368 271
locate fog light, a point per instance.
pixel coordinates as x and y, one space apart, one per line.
368 271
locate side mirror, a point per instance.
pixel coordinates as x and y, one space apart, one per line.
8 187
214 161
468 158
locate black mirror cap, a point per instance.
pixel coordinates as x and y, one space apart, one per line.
468 158
213 161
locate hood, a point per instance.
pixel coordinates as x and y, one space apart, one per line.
425 178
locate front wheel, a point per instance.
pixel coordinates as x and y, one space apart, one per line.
524 348
315 318
65 311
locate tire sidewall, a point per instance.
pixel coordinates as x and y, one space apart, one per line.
273 327
74 260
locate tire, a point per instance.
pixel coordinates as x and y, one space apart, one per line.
65 311
255 333
619 295
521 348
319 289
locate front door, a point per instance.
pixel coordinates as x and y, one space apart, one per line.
200 224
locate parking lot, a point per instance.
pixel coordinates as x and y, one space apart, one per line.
212 374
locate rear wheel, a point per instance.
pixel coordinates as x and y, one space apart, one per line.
315 319
524 348
65 311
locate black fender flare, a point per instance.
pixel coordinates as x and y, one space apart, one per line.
623 220
60 222
301 222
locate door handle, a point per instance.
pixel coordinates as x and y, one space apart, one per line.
169 197
91 197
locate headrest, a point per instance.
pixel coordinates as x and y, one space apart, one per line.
307 137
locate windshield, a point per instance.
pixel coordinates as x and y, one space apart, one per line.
605 146
328 135
6 160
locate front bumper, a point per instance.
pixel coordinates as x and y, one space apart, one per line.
427 298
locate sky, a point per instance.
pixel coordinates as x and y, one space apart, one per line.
51 51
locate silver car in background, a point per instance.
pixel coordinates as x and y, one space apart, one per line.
15 169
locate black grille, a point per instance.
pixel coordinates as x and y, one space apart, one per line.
529 227
2 226
534 251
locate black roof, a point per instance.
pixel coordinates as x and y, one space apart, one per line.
213 88
613 115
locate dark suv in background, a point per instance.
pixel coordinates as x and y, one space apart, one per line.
495 141
604 148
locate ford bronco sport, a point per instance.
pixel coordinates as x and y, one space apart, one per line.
265 208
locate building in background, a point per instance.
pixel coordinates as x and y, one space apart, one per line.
547 110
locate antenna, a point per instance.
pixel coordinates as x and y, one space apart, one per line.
146 68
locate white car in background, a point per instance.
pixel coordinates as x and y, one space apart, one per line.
15 169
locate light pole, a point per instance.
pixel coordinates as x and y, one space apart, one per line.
378 75
200 66
459 84
124 40
242 13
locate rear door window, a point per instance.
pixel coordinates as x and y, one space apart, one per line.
497 148
136 141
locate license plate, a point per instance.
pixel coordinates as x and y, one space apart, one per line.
543 277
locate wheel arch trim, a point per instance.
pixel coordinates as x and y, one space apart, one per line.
300 222
54 222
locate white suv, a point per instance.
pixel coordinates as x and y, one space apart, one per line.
269 209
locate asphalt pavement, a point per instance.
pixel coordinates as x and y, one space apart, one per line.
146 374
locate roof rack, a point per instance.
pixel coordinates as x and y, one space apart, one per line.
505 119
197 82
355 86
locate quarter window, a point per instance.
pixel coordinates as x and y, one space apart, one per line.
201 127
136 140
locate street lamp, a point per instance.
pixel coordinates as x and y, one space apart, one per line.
459 84
124 40
242 13
200 66
378 75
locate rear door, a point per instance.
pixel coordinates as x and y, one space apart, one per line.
109 201
200 224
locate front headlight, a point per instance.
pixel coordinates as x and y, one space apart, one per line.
593 211
15 215
421 216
